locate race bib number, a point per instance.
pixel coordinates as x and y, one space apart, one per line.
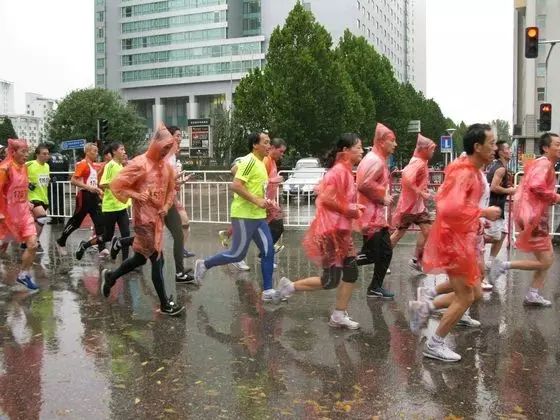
19 195
44 180
92 182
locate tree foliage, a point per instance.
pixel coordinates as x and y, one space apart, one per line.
227 136
502 130
77 114
310 92
6 131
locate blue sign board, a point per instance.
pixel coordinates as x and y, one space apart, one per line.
446 144
73 144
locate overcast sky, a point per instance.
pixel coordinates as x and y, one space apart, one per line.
46 46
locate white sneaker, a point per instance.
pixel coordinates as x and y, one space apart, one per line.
419 313
496 270
467 321
534 299
486 286
61 250
104 253
224 238
269 295
440 352
285 288
422 294
344 322
241 266
199 271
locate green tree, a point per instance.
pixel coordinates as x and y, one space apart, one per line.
6 131
227 137
77 114
502 129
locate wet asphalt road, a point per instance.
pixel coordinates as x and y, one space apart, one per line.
67 353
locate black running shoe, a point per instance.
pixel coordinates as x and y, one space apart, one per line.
184 278
171 308
115 247
81 250
106 283
380 293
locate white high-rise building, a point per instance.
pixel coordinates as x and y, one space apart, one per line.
7 103
26 127
37 105
178 59
535 82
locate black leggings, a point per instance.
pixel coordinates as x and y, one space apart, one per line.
138 260
173 223
86 203
378 251
110 219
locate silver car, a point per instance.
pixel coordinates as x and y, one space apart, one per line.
302 183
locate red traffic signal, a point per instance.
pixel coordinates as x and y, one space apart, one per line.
531 42
545 117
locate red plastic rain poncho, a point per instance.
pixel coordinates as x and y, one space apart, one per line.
414 181
328 241
148 173
372 180
536 193
452 243
17 220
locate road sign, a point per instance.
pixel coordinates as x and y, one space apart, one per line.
73 144
446 144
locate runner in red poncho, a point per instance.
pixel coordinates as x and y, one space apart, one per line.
532 201
150 182
411 208
328 242
372 180
453 242
16 219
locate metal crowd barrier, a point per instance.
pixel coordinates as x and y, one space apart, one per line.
207 198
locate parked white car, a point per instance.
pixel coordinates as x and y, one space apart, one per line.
302 182
308 163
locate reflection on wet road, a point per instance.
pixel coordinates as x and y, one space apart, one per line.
67 353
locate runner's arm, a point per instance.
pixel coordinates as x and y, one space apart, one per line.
497 180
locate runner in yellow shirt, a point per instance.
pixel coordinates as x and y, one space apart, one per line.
113 210
39 174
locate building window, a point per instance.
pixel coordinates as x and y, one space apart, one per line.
540 94
100 16
359 23
99 79
100 32
100 48
541 70
100 63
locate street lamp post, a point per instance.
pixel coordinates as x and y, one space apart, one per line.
450 131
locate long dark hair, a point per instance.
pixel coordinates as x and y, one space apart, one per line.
347 140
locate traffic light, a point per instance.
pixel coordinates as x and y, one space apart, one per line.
103 129
545 120
531 42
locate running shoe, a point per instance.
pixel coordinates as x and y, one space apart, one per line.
440 352
79 254
414 265
380 293
188 254
423 294
467 321
419 313
104 253
496 270
184 278
199 271
27 281
61 249
343 322
171 308
241 266
534 299
388 271
40 249
486 286
284 290
115 247
105 282
269 295
224 238
278 248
